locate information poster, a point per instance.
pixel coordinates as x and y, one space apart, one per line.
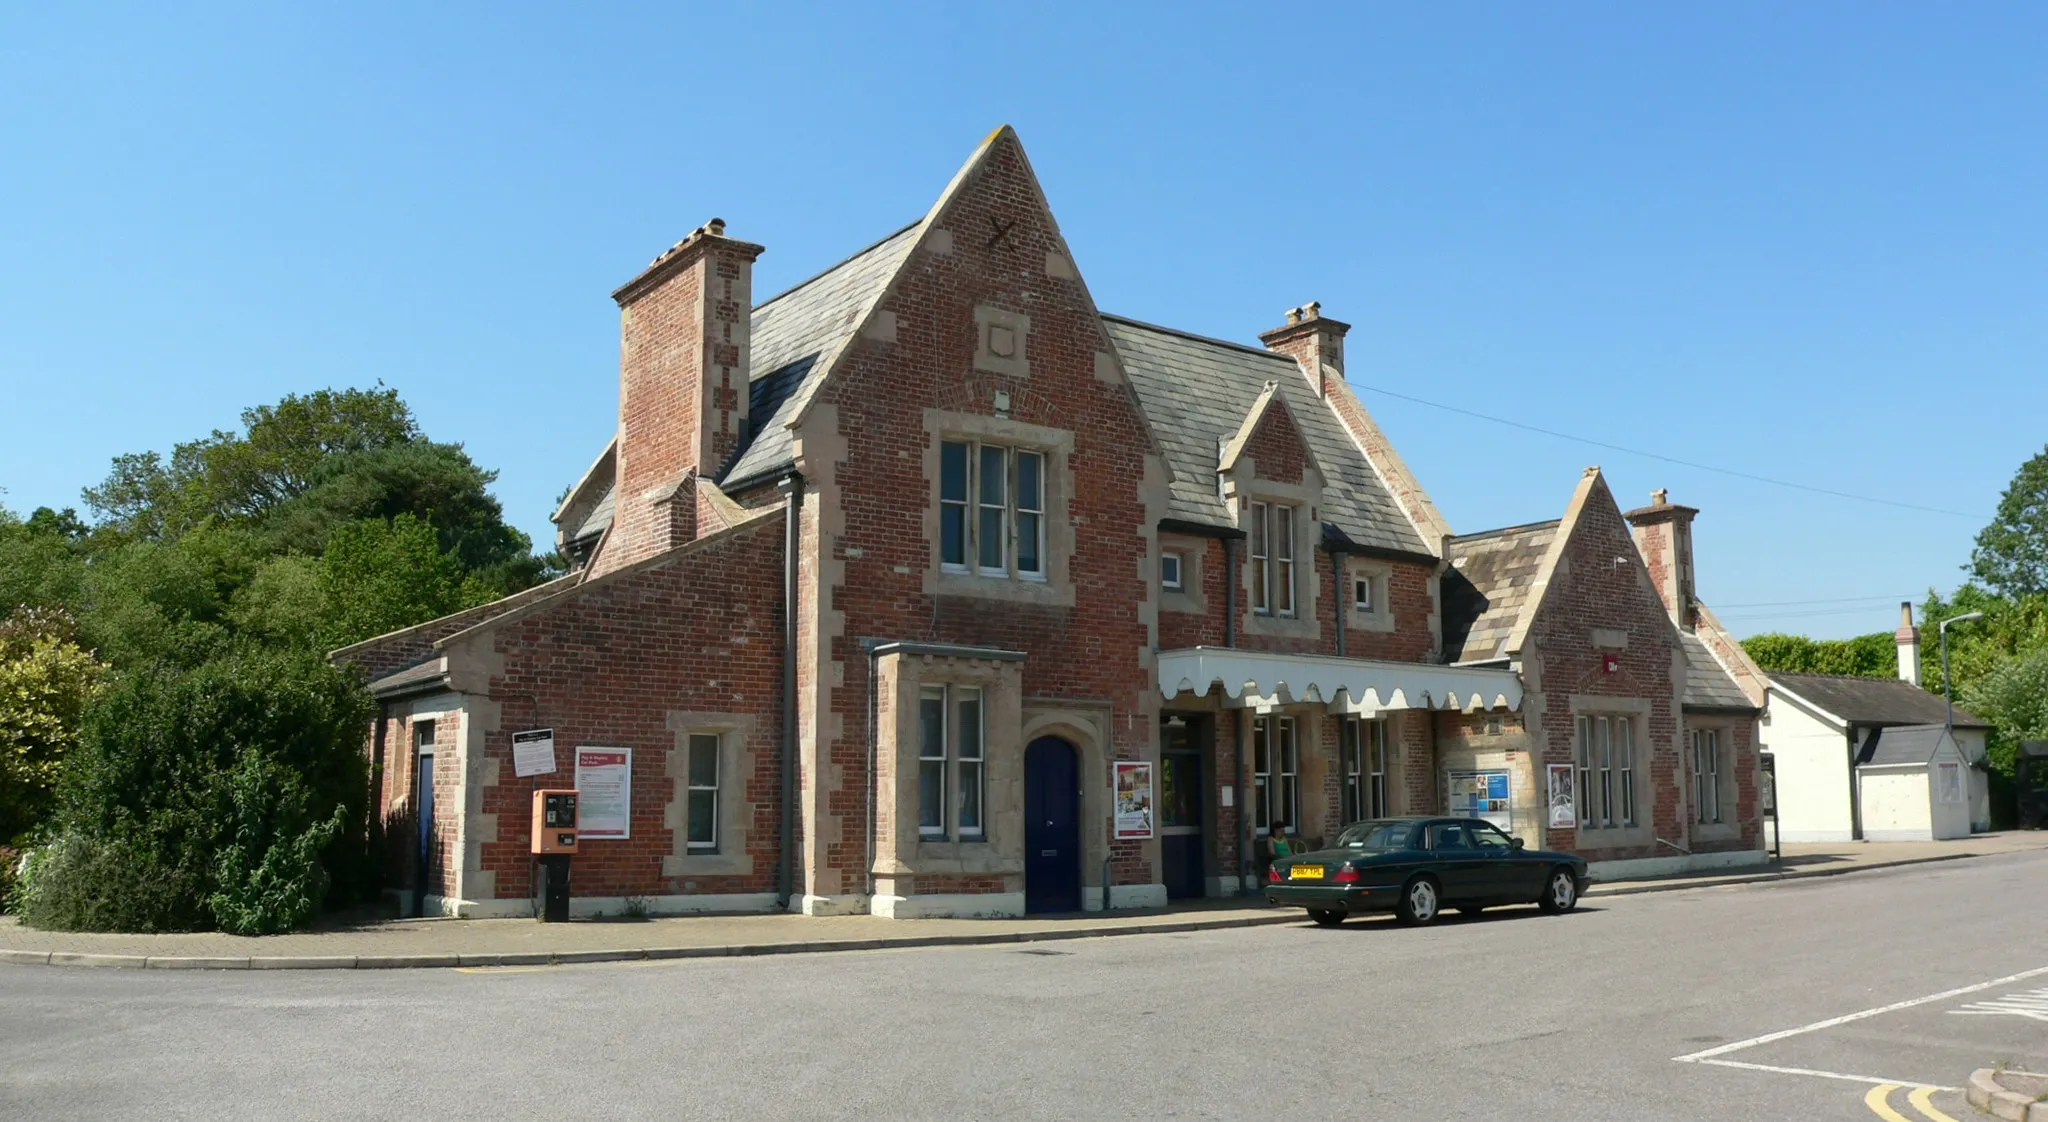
1481 794
533 752
604 784
1133 799
1563 812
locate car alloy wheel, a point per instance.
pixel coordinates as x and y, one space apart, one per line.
1419 901
1562 894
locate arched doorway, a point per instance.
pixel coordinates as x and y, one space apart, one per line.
1052 826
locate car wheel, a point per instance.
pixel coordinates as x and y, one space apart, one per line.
1472 911
1326 917
1419 901
1560 893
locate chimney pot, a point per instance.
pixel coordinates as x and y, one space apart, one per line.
1312 310
1908 638
716 226
1294 315
1661 496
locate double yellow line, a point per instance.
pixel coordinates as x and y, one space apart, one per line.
1921 1098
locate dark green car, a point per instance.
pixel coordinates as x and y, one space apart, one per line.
1417 867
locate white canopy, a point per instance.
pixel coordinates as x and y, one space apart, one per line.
1262 679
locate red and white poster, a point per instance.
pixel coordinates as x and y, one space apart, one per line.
604 786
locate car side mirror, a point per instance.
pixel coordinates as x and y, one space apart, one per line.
1514 843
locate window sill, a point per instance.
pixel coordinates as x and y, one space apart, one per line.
1022 590
703 864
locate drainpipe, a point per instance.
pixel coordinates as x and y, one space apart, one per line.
792 488
1337 584
874 733
1230 592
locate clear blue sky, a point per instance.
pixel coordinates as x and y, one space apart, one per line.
1806 241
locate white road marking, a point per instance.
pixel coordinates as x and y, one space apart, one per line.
1831 1022
2033 1004
1842 1075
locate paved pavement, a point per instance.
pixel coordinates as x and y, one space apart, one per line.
1898 975
445 942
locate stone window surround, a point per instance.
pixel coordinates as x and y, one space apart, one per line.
1730 825
1638 709
1057 445
1000 849
734 731
1189 596
1381 574
1306 622
992 326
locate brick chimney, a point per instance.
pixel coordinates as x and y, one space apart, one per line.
1663 533
1311 341
1909 645
683 366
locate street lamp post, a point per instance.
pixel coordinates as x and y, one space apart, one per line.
1948 694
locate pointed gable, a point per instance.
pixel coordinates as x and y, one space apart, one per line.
1272 440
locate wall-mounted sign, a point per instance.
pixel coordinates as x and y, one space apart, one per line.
1563 810
1610 663
533 752
1133 799
604 779
1482 794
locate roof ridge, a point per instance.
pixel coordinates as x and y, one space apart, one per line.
1164 330
1546 524
1850 678
840 264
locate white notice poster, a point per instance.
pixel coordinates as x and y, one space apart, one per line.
604 782
533 752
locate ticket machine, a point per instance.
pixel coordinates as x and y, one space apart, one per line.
556 824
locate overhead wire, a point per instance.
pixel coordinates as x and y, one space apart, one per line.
1694 464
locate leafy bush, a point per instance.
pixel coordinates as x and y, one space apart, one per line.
10 863
46 681
231 794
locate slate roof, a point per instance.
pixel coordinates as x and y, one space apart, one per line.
1487 588
1902 744
1708 685
1196 392
792 333
1873 701
414 677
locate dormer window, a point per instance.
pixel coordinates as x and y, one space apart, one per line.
1271 530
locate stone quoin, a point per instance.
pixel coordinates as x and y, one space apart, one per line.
882 577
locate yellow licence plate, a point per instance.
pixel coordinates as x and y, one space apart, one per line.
1305 872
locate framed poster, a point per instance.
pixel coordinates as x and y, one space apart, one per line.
533 752
1562 810
604 784
1482 794
1133 799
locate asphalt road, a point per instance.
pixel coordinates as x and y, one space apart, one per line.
1514 1014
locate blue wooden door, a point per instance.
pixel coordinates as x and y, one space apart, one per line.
424 866
1052 827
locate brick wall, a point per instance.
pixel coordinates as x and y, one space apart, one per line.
698 631
999 249
1591 590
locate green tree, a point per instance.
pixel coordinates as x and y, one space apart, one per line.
1866 656
2011 557
230 794
244 476
46 681
380 576
2013 696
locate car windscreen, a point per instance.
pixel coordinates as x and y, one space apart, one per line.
1376 835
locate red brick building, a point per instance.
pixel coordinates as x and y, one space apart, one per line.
884 575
